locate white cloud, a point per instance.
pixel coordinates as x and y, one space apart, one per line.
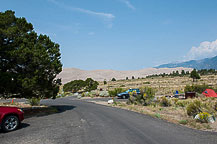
204 50
128 4
107 17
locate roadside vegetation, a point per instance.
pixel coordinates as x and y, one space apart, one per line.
80 86
155 100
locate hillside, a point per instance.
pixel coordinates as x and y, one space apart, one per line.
69 74
208 63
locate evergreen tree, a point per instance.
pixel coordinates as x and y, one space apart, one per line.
113 79
29 62
194 75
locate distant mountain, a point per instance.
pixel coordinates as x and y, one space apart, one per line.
208 63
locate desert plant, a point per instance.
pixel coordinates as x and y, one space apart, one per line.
157 115
116 91
104 94
215 106
194 108
34 101
184 122
181 103
204 117
174 101
83 94
145 97
146 82
165 102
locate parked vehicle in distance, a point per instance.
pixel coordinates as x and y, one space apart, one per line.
10 118
126 94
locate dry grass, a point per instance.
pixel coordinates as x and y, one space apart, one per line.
163 86
172 114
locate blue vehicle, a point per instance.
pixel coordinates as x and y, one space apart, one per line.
126 94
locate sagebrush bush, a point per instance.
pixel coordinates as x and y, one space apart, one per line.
165 102
181 103
194 108
103 94
174 101
34 101
116 91
145 97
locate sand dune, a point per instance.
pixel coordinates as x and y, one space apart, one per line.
69 74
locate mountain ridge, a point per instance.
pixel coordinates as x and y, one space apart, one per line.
207 63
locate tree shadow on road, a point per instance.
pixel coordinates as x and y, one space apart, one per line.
45 111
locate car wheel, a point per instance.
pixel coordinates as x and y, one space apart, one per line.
124 97
10 123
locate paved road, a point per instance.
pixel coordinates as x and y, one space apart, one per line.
104 99
81 122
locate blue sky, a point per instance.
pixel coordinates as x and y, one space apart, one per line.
123 34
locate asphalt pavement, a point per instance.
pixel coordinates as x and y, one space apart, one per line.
82 122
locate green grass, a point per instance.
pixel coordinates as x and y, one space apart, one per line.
184 122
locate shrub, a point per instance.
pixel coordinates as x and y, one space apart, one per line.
116 91
165 102
83 94
145 97
76 85
103 94
146 82
113 79
215 106
34 101
194 108
196 88
175 100
157 115
181 103
150 92
204 117
184 122
105 82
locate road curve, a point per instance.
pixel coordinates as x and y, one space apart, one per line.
80 122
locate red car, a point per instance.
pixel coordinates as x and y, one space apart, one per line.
10 118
